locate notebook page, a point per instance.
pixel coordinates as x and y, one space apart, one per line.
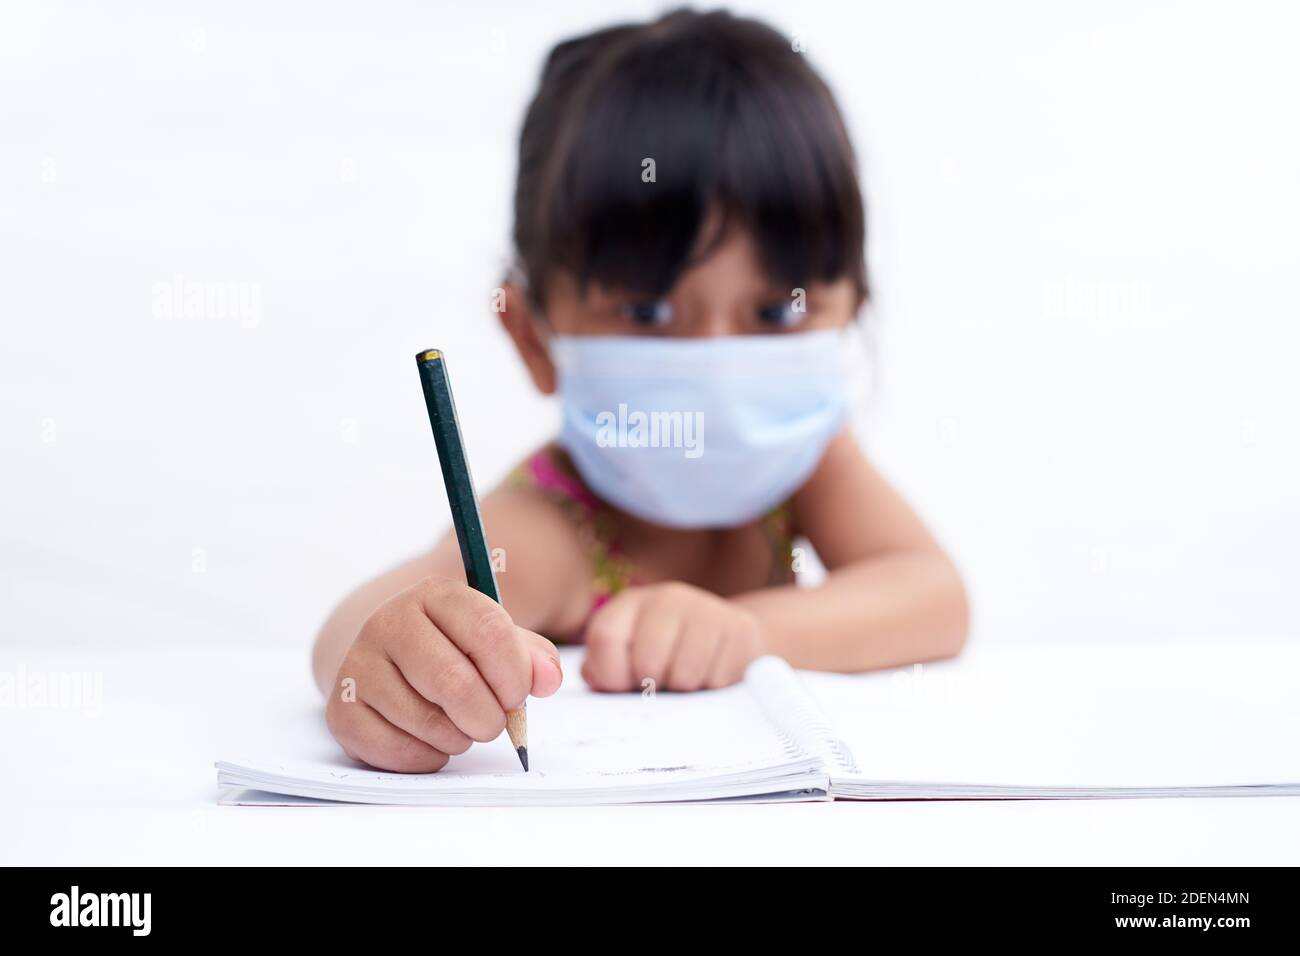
1067 716
578 740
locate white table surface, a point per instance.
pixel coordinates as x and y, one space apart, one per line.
135 785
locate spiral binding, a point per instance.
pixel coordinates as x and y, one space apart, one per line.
795 715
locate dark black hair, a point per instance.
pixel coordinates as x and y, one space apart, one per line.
735 120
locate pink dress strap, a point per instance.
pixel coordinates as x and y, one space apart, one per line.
611 570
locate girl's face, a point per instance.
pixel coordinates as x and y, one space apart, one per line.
726 294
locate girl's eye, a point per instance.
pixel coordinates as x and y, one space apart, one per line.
781 314
655 313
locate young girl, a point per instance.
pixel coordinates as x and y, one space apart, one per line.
690 241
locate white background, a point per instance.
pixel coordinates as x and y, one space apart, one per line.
1083 240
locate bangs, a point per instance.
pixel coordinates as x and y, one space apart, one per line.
670 124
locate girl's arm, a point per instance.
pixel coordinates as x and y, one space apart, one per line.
543 583
891 595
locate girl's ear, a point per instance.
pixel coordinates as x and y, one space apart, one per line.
523 326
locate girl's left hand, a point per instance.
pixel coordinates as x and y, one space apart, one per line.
676 635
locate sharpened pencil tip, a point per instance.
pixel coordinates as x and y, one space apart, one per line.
523 757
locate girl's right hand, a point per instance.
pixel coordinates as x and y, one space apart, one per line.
432 670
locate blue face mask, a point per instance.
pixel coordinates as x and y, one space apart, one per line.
699 433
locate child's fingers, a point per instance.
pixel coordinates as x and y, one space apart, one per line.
548 673
364 735
728 665
654 643
484 633
400 704
607 664
693 653
440 673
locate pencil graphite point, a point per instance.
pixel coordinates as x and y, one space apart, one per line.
517 730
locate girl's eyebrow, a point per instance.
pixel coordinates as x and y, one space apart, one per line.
778 290
625 295
598 300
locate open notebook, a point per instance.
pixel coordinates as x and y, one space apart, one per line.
1002 727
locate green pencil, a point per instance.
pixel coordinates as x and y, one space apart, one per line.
464 504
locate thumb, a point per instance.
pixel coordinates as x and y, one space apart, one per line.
548 675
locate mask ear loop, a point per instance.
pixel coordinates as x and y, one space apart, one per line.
515 275
862 365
